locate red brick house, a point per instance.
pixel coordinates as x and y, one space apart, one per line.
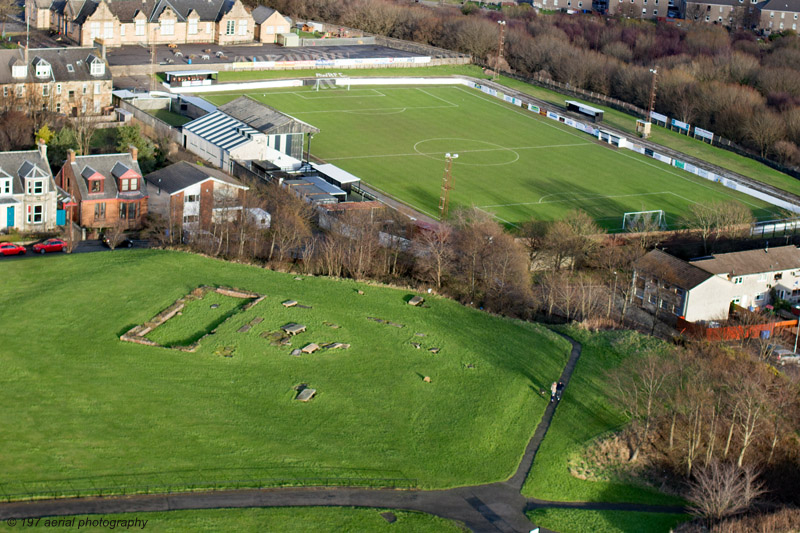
108 190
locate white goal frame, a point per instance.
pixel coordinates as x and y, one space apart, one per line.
332 83
652 219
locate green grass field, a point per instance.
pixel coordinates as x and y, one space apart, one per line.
266 520
577 521
82 410
585 413
170 117
512 163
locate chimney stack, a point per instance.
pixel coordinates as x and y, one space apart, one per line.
42 149
134 152
70 156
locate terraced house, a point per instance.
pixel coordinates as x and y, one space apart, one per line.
127 22
28 194
64 80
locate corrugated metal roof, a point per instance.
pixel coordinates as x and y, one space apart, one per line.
221 130
336 173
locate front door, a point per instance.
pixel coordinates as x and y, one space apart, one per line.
10 217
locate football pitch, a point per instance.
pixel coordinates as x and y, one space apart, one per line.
511 162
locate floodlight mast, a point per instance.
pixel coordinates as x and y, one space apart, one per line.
502 24
447 184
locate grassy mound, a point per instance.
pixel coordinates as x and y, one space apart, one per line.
85 412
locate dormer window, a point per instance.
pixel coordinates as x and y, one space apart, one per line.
129 184
42 69
98 67
35 186
5 185
95 185
19 71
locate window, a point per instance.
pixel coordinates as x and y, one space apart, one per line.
100 211
96 186
762 277
108 30
5 186
58 88
34 187
46 89
127 211
655 12
780 25
140 27
783 15
94 30
707 18
42 69
772 14
737 280
123 185
778 276
230 28
270 29
168 27
97 86
35 214
208 27
122 30
98 68
20 91
192 198
134 184
653 300
84 89
188 219
242 27
19 71
665 305
283 29
58 107
5 92
760 297
193 26
70 68
737 299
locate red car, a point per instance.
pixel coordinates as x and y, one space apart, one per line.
50 245
7 248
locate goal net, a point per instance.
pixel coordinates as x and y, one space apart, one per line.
641 221
332 83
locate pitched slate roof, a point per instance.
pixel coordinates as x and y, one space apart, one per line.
177 177
19 165
58 58
221 130
752 261
86 165
88 7
262 13
126 10
672 270
782 5
264 118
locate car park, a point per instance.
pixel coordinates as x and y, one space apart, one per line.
50 245
9 248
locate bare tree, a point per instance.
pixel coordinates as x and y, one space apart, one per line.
434 254
84 126
721 490
115 234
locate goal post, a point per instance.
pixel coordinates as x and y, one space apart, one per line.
332 83
642 221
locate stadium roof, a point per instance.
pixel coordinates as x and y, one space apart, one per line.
336 173
221 130
264 118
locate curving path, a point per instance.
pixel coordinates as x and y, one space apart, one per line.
495 507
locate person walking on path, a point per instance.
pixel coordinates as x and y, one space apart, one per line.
559 390
553 390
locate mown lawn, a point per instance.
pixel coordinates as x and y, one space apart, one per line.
576 521
79 403
267 520
586 412
712 154
170 117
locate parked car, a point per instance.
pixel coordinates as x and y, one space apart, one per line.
8 248
787 356
50 245
124 243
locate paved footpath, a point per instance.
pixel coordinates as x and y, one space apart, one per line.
495 507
